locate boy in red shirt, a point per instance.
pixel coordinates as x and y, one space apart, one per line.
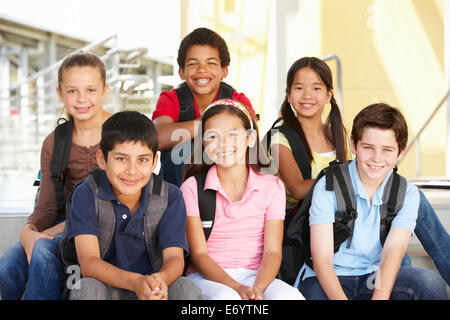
203 60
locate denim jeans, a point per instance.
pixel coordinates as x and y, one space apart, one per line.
40 280
170 171
411 284
433 237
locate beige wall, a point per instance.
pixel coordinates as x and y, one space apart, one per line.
392 51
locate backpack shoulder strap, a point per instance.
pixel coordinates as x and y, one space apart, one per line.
393 198
206 204
186 102
225 91
297 147
157 205
104 210
61 150
338 180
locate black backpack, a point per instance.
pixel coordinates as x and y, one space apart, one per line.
186 100
296 240
207 208
61 151
297 147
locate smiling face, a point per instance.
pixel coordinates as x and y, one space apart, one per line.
202 70
129 166
82 91
226 140
308 94
377 153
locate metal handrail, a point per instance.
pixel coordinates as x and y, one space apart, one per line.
55 65
415 140
339 78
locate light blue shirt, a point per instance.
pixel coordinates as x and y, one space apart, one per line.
364 254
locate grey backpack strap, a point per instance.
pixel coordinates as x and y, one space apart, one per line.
104 210
157 205
393 198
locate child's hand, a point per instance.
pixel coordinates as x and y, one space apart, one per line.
258 293
246 292
158 286
148 288
28 238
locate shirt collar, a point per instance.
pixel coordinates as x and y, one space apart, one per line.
212 180
105 191
377 198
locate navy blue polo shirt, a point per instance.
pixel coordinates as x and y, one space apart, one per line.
128 250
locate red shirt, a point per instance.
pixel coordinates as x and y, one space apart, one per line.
168 104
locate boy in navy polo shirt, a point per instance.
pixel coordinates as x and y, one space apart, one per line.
363 268
128 157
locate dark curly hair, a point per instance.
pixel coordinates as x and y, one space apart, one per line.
204 36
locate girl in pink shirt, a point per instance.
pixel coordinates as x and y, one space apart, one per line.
242 255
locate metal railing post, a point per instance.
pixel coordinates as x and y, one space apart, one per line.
340 99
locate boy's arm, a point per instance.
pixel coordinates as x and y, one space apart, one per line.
171 133
322 250
93 266
173 264
393 251
270 264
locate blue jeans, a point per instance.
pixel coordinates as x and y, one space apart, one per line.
411 284
433 237
40 280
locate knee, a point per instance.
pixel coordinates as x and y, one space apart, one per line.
44 248
432 286
89 289
225 294
13 260
280 290
184 289
426 284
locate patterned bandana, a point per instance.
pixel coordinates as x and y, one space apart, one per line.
232 103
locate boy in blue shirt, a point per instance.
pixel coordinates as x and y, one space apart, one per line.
366 269
128 157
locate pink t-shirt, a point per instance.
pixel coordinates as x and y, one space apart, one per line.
237 237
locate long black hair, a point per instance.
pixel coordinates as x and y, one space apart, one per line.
335 131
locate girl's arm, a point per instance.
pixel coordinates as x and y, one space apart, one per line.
322 250
202 262
393 251
289 171
270 264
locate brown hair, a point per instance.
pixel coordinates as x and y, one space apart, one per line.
82 59
257 151
334 129
383 116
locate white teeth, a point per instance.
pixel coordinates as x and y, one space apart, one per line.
224 154
202 81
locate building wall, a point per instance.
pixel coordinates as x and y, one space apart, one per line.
392 51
